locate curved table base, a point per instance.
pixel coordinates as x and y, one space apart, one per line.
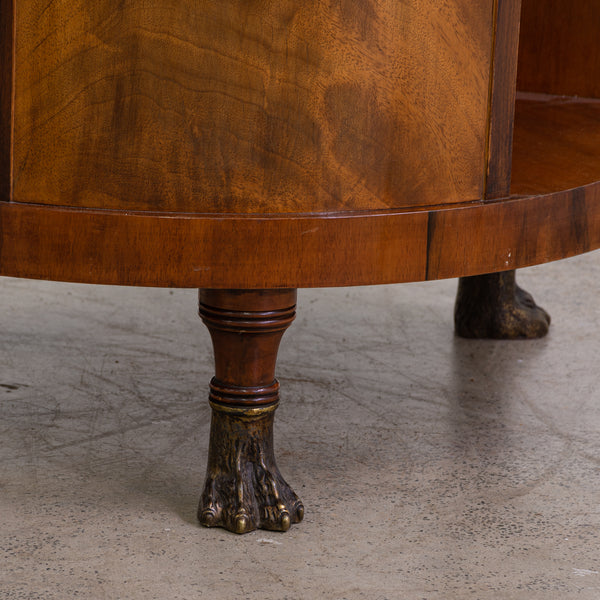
295 251
227 254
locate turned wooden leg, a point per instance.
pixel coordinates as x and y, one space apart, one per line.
494 306
244 489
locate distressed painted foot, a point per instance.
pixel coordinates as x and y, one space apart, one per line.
494 306
244 489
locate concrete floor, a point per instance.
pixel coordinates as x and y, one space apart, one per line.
431 467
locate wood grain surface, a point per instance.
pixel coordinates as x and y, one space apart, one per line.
559 49
556 144
251 107
269 145
504 82
511 234
6 89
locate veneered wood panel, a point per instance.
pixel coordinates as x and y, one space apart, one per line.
559 51
504 83
6 91
557 143
251 107
242 252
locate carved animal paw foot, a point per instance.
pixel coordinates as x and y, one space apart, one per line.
254 499
526 319
494 306
244 489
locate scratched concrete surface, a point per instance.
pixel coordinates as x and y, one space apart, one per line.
431 467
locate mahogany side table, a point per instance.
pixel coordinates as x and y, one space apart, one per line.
250 148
